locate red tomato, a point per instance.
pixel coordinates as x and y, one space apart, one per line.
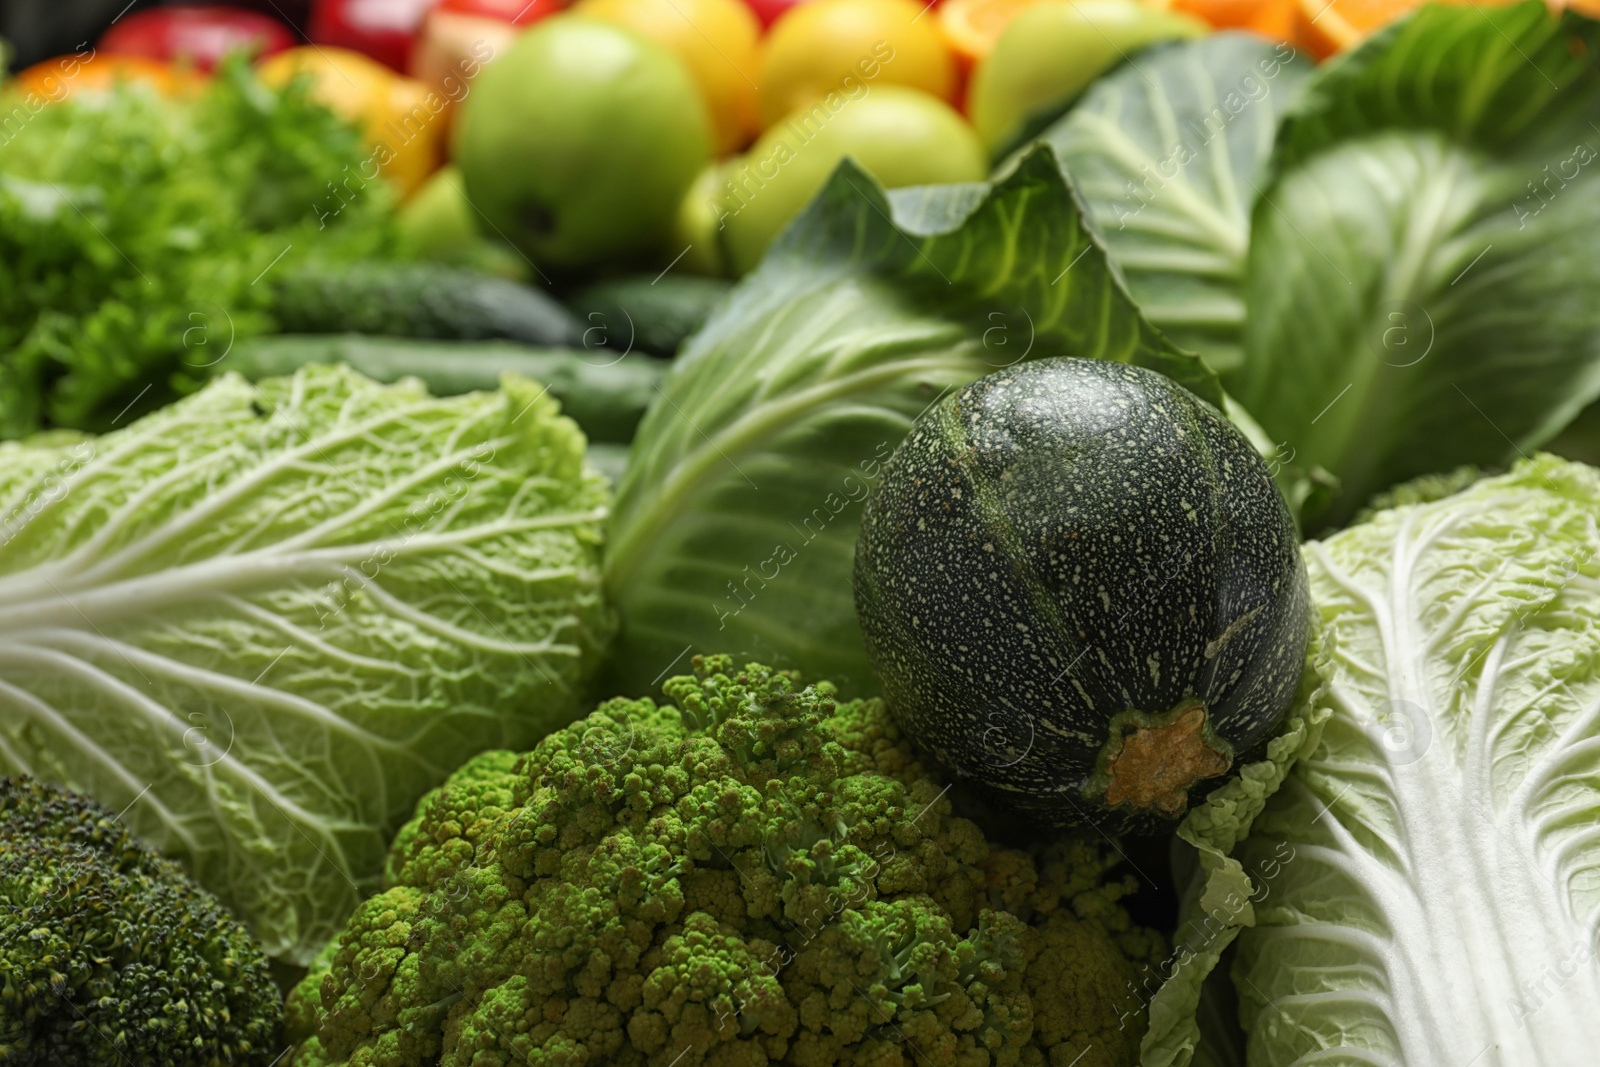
384 30
200 34
516 12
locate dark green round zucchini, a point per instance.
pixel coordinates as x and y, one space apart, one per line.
1082 593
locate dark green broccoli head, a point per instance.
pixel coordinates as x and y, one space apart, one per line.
749 875
110 956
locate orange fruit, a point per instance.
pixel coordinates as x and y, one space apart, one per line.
401 119
715 40
1323 27
823 48
56 79
971 27
1273 19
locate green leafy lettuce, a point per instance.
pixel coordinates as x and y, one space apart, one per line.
261 622
1427 881
139 237
736 521
1413 288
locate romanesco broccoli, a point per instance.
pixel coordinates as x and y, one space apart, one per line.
750 875
110 955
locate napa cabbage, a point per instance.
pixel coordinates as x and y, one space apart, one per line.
1424 888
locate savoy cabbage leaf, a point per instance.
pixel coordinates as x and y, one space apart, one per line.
1433 895
263 621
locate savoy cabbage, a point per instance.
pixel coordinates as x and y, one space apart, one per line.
263 621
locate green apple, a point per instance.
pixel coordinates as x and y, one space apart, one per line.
1050 53
438 224
900 136
579 143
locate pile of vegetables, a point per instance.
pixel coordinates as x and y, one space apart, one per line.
1111 613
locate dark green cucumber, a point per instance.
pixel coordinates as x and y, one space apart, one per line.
424 300
1083 593
604 393
645 313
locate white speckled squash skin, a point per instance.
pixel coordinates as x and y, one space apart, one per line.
1064 552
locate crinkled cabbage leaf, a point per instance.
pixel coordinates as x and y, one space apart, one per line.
263 621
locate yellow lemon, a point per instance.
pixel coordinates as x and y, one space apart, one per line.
828 46
715 39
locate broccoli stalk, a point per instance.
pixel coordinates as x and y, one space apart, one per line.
752 874
110 955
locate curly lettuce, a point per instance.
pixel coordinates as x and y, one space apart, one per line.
140 235
263 621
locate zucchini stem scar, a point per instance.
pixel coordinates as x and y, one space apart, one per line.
1151 761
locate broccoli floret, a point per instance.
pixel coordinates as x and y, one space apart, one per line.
752 874
110 955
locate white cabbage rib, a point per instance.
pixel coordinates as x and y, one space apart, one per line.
1440 899
265 620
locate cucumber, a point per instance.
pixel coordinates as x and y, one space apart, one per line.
645 313
1083 593
424 300
605 394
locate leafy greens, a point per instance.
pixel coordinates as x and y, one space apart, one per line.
736 520
1411 292
1435 890
1169 155
135 232
263 621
